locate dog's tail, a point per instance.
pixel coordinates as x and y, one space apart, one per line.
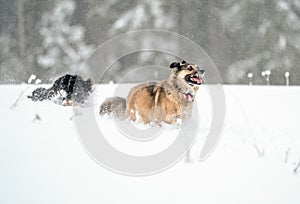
115 106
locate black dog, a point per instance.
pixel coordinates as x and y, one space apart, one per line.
69 89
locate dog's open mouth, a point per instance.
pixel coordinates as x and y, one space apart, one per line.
194 79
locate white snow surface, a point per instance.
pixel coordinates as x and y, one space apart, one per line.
43 161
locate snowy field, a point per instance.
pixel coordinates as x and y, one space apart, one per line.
256 161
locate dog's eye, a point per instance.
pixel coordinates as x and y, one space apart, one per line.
190 68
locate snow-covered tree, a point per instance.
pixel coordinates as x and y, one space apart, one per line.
136 15
145 14
265 33
63 47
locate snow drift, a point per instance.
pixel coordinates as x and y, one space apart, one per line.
256 161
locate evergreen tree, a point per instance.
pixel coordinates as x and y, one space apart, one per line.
264 35
63 47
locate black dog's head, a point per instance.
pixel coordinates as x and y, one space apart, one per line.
191 74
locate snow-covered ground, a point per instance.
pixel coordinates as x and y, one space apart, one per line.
43 161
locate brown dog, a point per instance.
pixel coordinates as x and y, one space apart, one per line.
166 100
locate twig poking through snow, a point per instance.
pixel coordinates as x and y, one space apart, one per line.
287 153
15 104
30 80
260 152
296 169
37 118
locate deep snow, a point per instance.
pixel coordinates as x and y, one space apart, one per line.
43 161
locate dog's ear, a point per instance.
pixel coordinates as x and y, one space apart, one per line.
174 64
183 62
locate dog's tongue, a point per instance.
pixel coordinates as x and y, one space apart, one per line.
197 79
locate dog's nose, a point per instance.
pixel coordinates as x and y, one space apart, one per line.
201 71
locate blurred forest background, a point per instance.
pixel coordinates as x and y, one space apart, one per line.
51 37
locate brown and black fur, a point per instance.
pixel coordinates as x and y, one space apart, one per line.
163 101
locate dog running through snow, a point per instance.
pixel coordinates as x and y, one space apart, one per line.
70 89
164 101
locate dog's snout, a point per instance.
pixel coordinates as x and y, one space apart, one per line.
201 72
